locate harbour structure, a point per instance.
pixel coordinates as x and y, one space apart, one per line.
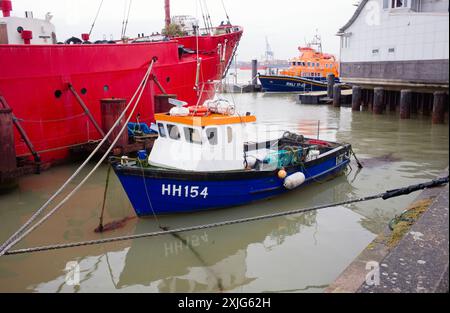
396 55
51 90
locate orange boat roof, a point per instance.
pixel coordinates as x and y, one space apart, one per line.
211 119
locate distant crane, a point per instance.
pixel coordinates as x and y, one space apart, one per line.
269 56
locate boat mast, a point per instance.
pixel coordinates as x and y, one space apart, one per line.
167 10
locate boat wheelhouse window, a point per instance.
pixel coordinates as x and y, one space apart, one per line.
212 135
192 135
230 134
174 132
162 130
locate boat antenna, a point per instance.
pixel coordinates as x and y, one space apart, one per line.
96 16
226 13
208 17
124 17
203 15
124 31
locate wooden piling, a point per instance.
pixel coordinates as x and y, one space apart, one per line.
378 100
8 162
356 98
111 110
426 111
439 104
414 105
405 104
254 72
330 85
393 101
337 95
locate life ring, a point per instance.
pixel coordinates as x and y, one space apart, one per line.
198 111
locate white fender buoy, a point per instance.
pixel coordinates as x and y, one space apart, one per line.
179 111
294 180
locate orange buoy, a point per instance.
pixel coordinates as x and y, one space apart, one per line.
282 174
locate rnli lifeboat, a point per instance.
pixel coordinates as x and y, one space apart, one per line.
203 159
307 72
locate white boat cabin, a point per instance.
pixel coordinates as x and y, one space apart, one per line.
214 142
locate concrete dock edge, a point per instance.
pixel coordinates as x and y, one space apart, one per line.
419 262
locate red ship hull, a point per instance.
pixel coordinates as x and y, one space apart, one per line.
31 77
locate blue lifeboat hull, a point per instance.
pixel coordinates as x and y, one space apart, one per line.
161 191
293 84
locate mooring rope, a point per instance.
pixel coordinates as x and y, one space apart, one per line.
21 233
385 195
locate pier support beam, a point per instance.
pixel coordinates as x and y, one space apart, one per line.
378 100
405 104
439 104
356 98
330 85
337 95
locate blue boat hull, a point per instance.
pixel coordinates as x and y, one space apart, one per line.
293 84
153 191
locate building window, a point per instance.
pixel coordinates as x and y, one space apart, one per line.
162 130
192 135
230 134
375 51
212 135
174 132
386 4
391 50
345 42
318 64
309 64
408 4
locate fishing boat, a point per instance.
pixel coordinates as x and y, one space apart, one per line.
54 87
308 72
203 159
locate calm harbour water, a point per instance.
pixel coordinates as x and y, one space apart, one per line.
301 253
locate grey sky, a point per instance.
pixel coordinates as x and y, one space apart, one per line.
286 23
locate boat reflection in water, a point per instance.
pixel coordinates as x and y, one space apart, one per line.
211 260
216 259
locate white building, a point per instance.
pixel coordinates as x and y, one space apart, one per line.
397 43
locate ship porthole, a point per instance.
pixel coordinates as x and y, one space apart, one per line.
58 94
83 91
106 88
